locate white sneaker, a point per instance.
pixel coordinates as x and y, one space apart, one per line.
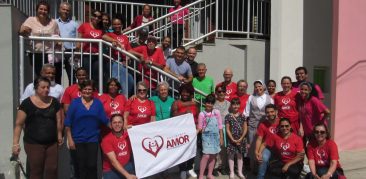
183 175
192 173
306 169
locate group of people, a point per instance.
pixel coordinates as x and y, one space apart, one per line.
273 130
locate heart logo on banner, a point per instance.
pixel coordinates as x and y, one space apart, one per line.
114 105
286 100
285 146
153 145
94 34
142 109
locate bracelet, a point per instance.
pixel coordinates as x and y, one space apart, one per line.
16 145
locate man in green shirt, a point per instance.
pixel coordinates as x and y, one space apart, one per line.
203 83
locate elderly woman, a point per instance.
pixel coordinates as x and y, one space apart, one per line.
41 25
182 106
322 153
84 117
287 153
311 111
285 101
40 117
139 110
163 102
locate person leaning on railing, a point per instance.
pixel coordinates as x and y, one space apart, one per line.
142 19
91 30
40 117
41 25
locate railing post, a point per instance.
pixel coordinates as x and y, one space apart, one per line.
21 64
217 18
100 87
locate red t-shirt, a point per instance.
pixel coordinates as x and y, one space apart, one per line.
123 39
286 149
73 92
310 113
323 155
88 32
193 108
230 90
156 57
121 148
140 112
266 129
243 101
113 106
178 18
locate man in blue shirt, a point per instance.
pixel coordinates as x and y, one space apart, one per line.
68 29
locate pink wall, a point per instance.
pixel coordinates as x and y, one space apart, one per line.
349 74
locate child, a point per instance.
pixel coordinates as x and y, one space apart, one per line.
210 124
236 129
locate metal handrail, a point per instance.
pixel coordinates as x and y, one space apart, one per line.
100 42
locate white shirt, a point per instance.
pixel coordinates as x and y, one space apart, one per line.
55 91
261 101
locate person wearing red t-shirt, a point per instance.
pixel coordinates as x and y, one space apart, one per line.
152 56
139 110
181 106
113 102
311 111
178 21
142 19
241 93
302 76
73 91
266 129
287 151
117 151
285 101
322 153
229 85
119 62
91 30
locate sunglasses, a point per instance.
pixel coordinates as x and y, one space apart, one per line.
284 126
142 90
319 132
221 91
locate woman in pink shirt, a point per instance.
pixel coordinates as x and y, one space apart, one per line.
311 111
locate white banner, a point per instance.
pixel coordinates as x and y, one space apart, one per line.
160 145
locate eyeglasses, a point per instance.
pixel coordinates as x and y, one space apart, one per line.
284 126
319 132
142 90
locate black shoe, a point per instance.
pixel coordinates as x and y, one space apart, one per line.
215 173
224 172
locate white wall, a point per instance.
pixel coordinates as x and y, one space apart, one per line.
286 38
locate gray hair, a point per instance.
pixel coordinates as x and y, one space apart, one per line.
141 83
65 3
48 65
163 83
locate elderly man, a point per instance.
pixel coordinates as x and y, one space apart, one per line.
191 55
241 93
68 29
48 71
202 82
230 85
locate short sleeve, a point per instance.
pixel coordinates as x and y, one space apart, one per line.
299 144
81 29
260 130
320 107
25 106
107 145
333 150
29 91
28 22
189 69
128 105
310 152
153 108
66 98
320 92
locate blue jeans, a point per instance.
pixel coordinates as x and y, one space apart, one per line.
266 155
114 174
119 71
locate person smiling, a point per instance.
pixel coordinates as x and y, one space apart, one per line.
117 151
287 152
322 153
84 117
139 110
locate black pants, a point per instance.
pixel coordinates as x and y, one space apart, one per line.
86 157
274 170
176 35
